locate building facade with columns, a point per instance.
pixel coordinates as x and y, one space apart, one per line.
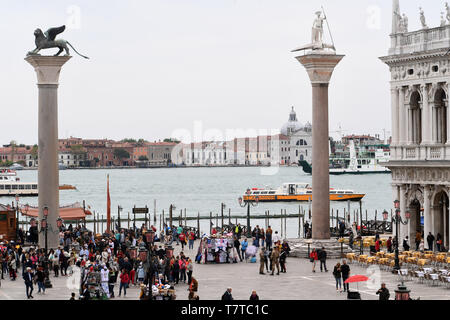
420 149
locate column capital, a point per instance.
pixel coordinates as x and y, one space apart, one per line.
47 68
319 66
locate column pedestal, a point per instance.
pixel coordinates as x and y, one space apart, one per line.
48 69
320 66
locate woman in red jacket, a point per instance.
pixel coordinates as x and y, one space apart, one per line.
124 280
313 258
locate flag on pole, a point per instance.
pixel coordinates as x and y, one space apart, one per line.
108 207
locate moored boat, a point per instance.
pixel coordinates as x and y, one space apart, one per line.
297 191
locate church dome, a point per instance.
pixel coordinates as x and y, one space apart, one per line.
292 125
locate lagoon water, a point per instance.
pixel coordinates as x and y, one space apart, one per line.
204 189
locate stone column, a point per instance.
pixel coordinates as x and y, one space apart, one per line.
320 66
426 117
47 69
427 210
410 129
394 112
401 109
403 207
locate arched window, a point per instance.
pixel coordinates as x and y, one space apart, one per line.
415 118
440 117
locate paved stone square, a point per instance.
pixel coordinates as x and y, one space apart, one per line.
299 283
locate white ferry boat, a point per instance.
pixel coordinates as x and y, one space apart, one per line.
10 185
297 191
364 165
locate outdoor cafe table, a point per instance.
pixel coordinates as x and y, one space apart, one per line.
380 254
402 257
390 255
428 256
427 270
407 253
443 271
420 275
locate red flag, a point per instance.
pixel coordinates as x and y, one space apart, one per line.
108 207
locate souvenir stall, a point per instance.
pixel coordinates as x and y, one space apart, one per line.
218 248
163 292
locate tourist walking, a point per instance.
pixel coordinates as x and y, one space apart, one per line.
345 270
438 242
322 256
269 238
389 244
40 277
191 240
274 257
338 276
227 296
430 241
124 280
406 244
313 258
244 245
418 239
28 278
283 256
190 270
262 258
383 292
254 296
104 277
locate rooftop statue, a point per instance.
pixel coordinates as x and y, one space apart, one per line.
443 20
402 22
317 35
422 18
47 41
447 9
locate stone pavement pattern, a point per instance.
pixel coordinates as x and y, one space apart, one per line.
299 283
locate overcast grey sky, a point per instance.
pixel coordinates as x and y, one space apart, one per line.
158 66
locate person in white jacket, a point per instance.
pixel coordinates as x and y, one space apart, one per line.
276 237
104 279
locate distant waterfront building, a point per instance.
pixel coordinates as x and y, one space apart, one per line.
159 153
300 140
420 149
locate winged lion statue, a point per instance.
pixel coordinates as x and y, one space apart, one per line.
47 40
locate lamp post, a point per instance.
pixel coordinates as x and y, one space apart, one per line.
222 207
247 203
397 218
17 218
171 208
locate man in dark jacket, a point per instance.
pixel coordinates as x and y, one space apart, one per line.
28 278
322 256
430 241
345 270
383 292
227 295
406 244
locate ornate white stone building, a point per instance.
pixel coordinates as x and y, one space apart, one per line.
300 139
420 151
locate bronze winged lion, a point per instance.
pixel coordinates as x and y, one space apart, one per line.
47 40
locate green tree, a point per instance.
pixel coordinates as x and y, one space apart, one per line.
34 152
171 140
77 148
121 153
143 158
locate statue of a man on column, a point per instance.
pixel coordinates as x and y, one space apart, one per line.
317 36
317 29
